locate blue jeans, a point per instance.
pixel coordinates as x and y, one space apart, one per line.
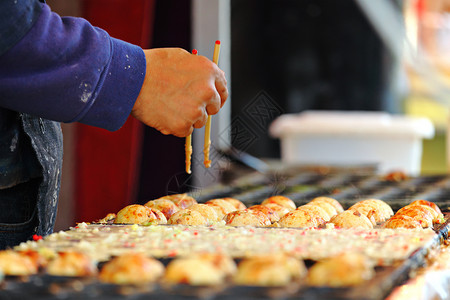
18 213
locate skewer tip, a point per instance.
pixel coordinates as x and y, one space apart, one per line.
194 51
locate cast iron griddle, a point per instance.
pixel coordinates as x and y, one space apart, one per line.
348 185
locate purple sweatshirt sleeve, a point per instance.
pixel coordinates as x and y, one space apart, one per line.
66 70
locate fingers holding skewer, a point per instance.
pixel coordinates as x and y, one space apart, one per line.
217 97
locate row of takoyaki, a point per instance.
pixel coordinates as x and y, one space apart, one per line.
204 269
278 211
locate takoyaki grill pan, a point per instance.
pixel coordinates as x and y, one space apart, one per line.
348 185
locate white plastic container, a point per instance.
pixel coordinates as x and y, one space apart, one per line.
392 142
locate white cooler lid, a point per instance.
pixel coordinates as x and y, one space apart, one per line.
351 122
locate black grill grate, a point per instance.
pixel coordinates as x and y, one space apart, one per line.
346 185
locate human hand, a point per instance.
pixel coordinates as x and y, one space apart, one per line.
180 90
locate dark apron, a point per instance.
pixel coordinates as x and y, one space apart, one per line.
30 169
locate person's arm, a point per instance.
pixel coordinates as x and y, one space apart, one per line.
66 70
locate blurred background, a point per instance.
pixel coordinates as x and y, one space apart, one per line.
280 56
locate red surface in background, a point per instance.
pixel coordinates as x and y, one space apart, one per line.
107 163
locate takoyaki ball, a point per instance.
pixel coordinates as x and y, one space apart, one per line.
187 217
221 207
139 214
193 271
298 218
40 260
349 269
108 219
261 216
379 210
386 208
368 211
418 212
428 203
72 264
351 219
269 270
206 211
246 218
269 212
433 213
383 211
438 218
181 200
331 211
221 261
219 211
331 201
321 215
238 204
395 176
13 263
160 217
280 200
131 268
402 221
165 206
280 210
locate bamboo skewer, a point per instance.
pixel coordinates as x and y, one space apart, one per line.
188 150
207 144
188 144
